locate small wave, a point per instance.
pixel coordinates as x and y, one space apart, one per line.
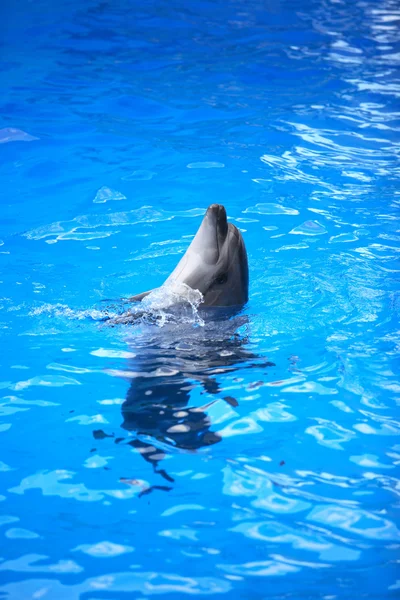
206 165
63 310
11 134
139 175
105 193
268 208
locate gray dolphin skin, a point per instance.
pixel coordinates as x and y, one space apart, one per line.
215 262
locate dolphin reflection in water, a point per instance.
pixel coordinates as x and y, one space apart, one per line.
172 360
170 365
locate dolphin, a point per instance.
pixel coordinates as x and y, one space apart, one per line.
159 412
215 263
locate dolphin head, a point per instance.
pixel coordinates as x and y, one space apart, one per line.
216 261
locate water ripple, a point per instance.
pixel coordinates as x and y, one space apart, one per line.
149 583
51 484
355 521
85 227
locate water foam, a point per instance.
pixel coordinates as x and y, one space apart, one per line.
172 302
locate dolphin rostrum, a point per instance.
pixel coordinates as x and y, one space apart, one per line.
215 263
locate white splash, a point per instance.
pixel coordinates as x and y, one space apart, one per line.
174 293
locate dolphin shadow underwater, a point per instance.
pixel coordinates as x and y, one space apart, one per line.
160 410
184 354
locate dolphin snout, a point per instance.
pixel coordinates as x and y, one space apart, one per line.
217 214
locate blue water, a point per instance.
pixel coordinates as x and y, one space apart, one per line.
120 123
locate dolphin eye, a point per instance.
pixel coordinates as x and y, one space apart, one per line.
223 278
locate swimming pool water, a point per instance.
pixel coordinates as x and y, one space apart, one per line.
120 122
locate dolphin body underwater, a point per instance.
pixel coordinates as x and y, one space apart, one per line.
174 361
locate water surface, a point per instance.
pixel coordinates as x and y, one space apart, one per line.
264 463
